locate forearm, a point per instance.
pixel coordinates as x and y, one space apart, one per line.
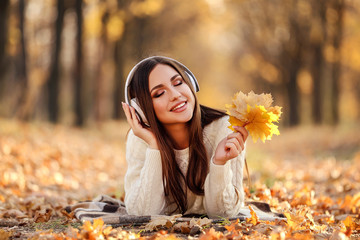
144 192
222 199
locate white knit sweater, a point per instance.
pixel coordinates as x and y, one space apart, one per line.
144 192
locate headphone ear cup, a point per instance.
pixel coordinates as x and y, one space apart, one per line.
139 113
193 81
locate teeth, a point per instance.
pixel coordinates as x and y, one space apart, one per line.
179 106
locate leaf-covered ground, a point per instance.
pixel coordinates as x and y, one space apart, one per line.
310 174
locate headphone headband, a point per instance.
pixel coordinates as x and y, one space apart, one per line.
132 71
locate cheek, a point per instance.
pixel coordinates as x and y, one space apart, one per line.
186 91
191 97
159 107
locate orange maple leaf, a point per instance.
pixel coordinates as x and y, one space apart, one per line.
349 225
95 230
350 203
232 227
211 234
254 218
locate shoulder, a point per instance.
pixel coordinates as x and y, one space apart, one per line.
218 124
217 129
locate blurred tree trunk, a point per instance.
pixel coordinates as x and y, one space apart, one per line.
293 94
99 79
120 55
23 108
78 75
317 40
317 90
53 80
336 64
140 36
119 78
4 14
291 62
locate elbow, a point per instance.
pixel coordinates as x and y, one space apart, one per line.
139 211
216 210
137 208
228 205
133 207
135 211
222 214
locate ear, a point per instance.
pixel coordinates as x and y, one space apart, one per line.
139 112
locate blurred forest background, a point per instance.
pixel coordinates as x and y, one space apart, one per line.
65 61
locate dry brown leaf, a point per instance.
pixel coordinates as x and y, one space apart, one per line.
43 215
211 234
12 213
43 168
161 221
200 222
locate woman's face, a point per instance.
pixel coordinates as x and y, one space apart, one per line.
172 98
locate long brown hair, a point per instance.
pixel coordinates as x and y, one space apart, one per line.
175 182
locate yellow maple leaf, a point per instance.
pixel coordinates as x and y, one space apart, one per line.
276 110
235 122
294 221
257 123
255 113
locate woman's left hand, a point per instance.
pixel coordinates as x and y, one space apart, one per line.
231 146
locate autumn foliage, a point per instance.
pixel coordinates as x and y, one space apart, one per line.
255 113
313 179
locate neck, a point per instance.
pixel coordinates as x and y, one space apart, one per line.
180 135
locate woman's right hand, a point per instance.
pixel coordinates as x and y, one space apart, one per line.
144 133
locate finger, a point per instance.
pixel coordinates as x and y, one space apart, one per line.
131 116
127 113
236 142
234 135
239 138
231 150
242 131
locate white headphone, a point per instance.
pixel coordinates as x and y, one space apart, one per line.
134 102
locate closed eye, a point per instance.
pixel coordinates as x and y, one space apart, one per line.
178 82
159 94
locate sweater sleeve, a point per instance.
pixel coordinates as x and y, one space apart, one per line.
224 194
144 192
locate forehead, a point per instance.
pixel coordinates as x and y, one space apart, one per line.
161 74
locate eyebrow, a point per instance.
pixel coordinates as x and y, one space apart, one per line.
161 85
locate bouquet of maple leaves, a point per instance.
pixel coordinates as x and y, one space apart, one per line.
255 113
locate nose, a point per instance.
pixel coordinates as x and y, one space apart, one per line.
174 94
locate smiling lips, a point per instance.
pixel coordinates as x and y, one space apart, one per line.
180 107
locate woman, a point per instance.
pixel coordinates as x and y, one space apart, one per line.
181 156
